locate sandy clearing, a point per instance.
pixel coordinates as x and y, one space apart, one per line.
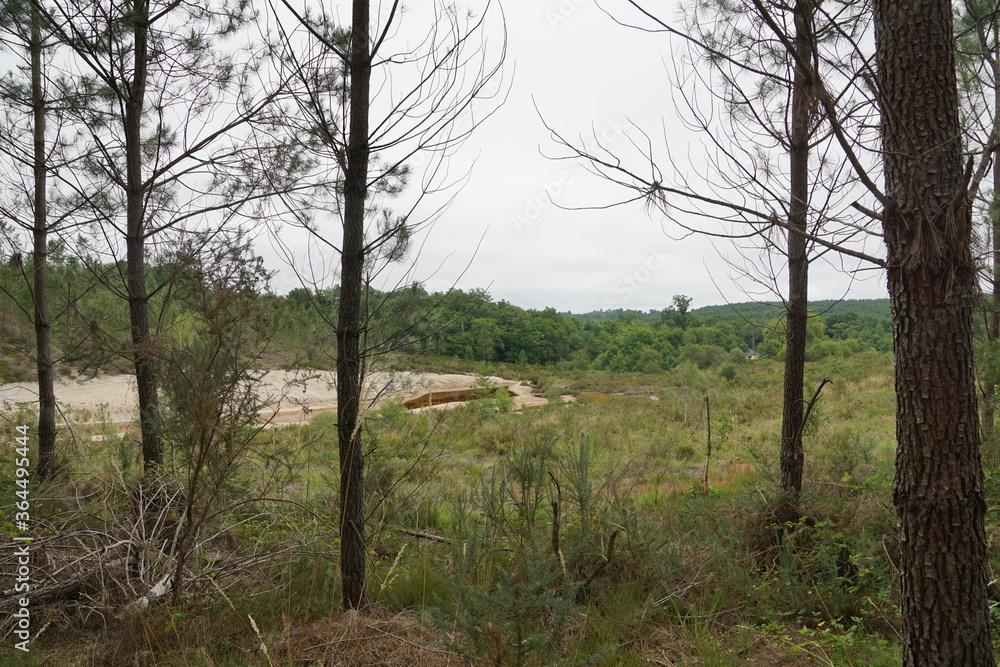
291 396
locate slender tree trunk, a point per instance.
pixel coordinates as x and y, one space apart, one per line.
143 352
40 232
993 318
938 490
792 457
349 323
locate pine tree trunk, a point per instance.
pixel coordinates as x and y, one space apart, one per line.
143 350
792 457
938 490
350 364
40 233
993 320
993 309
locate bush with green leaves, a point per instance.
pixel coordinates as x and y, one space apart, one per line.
490 395
211 376
703 356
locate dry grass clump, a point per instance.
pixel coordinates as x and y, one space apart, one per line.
671 646
372 637
97 564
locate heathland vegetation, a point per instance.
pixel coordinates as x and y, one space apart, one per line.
633 524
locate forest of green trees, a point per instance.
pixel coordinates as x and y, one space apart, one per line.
471 325
466 325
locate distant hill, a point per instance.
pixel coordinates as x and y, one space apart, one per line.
755 311
616 314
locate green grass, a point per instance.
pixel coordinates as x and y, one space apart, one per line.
650 567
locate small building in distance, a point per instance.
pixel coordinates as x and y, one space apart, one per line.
753 355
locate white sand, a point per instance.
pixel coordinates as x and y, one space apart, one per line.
292 396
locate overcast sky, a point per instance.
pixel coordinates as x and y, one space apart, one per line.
504 233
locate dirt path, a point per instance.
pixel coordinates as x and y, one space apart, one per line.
291 396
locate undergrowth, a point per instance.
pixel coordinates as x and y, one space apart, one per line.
592 532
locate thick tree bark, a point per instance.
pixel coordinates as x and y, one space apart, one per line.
349 322
143 352
938 490
993 319
993 323
40 233
792 456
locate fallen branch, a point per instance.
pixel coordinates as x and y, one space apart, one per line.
678 592
425 536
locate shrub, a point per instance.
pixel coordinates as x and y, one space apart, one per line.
703 356
728 371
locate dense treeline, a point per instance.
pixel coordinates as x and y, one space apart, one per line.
463 324
91 327
471 325
756 310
